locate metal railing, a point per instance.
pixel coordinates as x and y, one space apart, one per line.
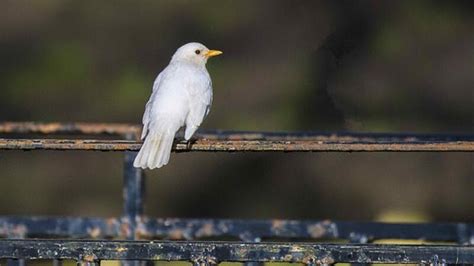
246 240
226 141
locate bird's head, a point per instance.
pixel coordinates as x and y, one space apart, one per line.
194 52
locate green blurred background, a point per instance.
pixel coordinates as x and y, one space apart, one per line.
365 66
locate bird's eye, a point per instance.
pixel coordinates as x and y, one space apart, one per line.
197 51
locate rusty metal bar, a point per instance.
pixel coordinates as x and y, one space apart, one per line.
68 128
208 145
214 252
246 230
218 140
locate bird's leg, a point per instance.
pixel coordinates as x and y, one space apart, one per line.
189 144
180 137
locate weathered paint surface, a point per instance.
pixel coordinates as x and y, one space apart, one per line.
246 230
205 145
69 128
230 141
213 252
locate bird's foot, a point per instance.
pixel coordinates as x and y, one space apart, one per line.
189 143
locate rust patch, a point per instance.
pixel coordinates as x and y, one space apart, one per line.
125 230
89 258
141 230
203 261
206 230
121 249
319 230
296 248
94 232
309 260
326 260
18 231
176 234
212 260
288 257
111 222
278 225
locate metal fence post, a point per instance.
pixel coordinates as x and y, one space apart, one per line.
16 262
251 239
133 193
133 196
357 238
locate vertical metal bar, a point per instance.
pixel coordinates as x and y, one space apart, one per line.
437 261
16 262
359 239
252 239
200 262
253 263
57 262
133 194
463 235
87 263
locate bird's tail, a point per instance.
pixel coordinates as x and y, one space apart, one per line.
155 151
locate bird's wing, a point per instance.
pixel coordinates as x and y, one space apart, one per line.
149 105
200 105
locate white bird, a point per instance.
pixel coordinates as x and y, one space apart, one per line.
181 97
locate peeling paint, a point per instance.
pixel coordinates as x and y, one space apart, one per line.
205 231
211 252
320 230
94 232
247 230
233 146
89 258
121 249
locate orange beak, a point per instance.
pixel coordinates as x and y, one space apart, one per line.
212 53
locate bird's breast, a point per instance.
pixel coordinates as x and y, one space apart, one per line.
180 89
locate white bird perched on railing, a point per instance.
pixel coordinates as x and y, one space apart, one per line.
182 96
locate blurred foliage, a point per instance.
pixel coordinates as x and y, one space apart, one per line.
287 65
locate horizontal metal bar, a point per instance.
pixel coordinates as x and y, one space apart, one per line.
209 145
247 230
213 252
218 140
68 128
